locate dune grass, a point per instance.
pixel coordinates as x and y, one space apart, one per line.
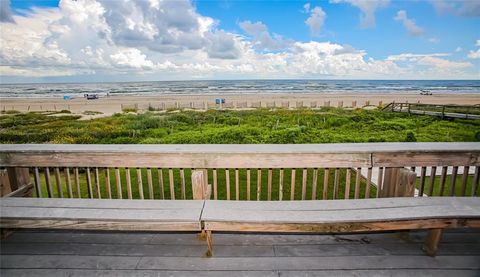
327 125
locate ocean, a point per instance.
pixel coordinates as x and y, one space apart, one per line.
225 87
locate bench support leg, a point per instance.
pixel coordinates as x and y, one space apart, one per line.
209 244
431 243
202 235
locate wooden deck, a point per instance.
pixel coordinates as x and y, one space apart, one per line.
68 253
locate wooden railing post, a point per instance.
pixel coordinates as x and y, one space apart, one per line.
200 188
398 182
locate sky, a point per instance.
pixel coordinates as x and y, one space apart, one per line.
154 40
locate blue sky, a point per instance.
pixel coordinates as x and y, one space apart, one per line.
147 40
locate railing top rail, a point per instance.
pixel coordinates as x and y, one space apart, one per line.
241 155
334 148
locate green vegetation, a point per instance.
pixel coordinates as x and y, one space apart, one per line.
130 110
91 113
458 189
221 184
327 125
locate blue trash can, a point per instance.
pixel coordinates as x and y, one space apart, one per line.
223 101
66 97
217 101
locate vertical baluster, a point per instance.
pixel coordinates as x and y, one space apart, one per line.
248 184
48 182
89 182
215 184
347 183
453 180
357 182
369 183
160 183
280 185
259 183
336 183
140 183
118 182
475 181
304 183
58 180
326 173
237 185
128 181
269 184
107 182
314 183
77 182
227 182
422 181
465 179
182 183
38 185
68 182
292 185
443 179
380 181
97 183
433 175
150 183
172 185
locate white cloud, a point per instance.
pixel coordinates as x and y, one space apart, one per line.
5 12
434 40
458 49
315 21
262 39
142 38
475 54
306 7
433 60
412 28
368 9
457 7
223 45
132 57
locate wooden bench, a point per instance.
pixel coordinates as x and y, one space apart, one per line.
101 214
343 216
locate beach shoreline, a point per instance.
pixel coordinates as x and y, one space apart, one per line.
109 105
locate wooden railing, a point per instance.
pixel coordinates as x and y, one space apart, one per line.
443 111
243 172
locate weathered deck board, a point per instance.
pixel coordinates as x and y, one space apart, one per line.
74 253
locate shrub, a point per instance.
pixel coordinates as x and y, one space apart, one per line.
410 137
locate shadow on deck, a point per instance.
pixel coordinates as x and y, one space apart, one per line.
61 253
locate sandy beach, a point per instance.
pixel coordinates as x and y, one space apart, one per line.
113 104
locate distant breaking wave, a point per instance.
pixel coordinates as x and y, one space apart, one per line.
238 87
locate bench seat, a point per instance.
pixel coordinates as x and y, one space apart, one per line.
101 214
353 215
340 216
